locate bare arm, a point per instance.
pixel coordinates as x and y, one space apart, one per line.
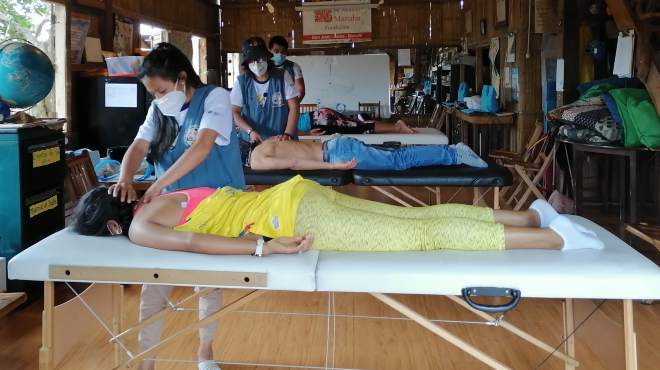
292 119
136 152
190 159
241 122
154 235
300 86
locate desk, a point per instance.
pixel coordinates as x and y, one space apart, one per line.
628 190
481 138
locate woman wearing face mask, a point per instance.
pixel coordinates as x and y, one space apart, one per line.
264 99
278 47
188 133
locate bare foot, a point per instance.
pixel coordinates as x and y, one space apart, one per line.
402 128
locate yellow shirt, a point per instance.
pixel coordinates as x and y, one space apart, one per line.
271 213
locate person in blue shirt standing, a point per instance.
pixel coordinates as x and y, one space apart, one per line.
188 133
264 99
279 47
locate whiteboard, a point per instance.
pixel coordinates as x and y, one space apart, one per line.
346 79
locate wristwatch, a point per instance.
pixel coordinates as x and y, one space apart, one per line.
259 251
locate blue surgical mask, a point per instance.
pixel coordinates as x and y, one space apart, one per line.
278 58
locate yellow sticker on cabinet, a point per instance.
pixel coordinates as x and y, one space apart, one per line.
43 206
45 157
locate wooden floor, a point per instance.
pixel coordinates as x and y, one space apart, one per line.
301 340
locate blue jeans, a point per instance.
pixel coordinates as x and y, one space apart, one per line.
343 149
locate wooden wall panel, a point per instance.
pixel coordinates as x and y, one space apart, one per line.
395 24
529 106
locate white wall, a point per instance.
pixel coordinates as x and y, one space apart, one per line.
346 79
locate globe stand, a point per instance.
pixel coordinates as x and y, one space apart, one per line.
4 112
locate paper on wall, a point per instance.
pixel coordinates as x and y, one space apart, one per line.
559 82
93 51
403 57
79 28
623 60
120 95
123 38
511 48
494 68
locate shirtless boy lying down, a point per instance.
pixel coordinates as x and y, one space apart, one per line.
346 153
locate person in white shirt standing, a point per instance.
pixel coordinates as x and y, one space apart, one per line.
188 133
264 99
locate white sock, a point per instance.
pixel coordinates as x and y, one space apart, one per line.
545 211
547 214
465 155
572 237
208 365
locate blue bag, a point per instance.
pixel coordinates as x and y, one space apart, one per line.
489 99
462 91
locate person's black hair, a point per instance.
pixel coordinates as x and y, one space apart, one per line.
167 62
96 208
279 40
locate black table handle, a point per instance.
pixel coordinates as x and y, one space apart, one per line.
468 293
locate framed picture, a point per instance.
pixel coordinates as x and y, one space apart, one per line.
500 19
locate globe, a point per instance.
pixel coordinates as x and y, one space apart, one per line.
26 74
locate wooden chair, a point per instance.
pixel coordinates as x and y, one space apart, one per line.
646 233
435 121
530 150
308 108
529 171
80 178
372 109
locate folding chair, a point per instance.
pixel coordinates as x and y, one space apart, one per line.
501 156
371 108
530 172
308 108
646 233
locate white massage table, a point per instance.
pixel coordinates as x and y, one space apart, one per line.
424 136
617 272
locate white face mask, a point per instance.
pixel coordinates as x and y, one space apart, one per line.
259 68
170 104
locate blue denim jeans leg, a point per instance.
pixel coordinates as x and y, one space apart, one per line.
342 149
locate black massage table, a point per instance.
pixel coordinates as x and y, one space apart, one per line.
432 178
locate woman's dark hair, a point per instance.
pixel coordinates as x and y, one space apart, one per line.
279 40
96 208
166 61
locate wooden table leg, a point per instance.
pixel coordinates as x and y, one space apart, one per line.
578 173
46 350
634 217
623 190
629 337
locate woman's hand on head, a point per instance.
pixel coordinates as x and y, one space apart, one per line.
154 190
124 191
288 245
255 137
284 137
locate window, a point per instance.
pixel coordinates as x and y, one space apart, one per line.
150 36
233 68
39 23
